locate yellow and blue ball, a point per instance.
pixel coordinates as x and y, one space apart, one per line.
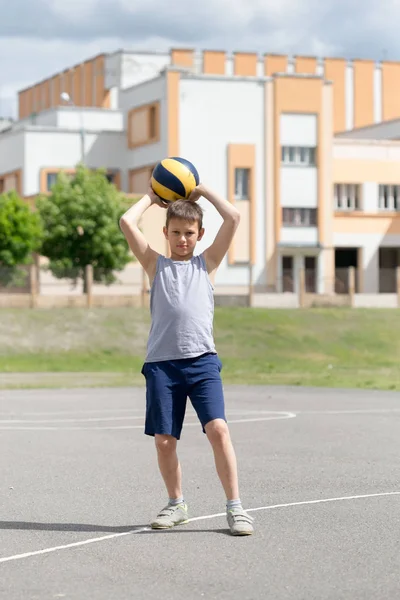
174 179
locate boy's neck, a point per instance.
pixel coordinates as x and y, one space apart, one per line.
180 258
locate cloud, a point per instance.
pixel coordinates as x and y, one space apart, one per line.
55 34
361 26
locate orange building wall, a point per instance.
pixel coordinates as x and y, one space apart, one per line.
306 64
245 64
214 62
335 71
182 57
390 90
274 63
292 95
84 82
363 92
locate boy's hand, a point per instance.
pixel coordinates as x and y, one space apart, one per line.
155 199
197 193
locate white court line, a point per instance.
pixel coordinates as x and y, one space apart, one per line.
73 545
94 411
361 411
278 417
91 420
203 518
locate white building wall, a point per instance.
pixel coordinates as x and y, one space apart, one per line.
366 150
62 149
370 244
46 118
229 66
70 117
378 93
150 91
90 118
124 69
349 96
370 197
299 235
299 187
12 145
320 70
211 117
146 92
112 77
113 70
298 130
137 67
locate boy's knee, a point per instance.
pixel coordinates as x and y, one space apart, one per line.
217 431
165 444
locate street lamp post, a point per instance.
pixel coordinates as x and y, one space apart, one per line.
65 97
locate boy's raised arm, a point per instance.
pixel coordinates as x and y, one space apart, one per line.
129 224
231 218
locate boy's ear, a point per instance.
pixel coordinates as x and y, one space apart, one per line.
201 233
165 231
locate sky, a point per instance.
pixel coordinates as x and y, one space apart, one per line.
39 38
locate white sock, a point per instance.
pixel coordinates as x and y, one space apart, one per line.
176 501
230 504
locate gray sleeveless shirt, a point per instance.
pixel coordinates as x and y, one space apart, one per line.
182 310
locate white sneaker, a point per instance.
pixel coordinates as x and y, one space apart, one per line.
240 523
170 516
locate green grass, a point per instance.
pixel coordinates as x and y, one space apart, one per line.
316 347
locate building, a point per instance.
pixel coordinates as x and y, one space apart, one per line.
307 148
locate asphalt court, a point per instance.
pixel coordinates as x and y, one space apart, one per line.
319 471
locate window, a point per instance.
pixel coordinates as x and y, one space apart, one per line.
144 125
347 196
112 176
299 217
51 177
139 179
242 180
10 181
298 155
153 122
389 197
51 180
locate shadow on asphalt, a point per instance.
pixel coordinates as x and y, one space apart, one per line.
33 526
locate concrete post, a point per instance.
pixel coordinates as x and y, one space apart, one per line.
398 285
352 284
302 287
89 285
33 273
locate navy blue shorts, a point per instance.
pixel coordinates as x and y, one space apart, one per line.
168 385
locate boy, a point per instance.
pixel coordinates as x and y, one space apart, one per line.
181 358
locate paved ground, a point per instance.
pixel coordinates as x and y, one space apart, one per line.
319 469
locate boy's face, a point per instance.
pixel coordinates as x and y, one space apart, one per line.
183 236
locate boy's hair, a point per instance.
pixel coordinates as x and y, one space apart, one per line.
185 210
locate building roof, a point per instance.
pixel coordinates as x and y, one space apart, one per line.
386 130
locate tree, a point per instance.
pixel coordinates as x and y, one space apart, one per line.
81 227
20 236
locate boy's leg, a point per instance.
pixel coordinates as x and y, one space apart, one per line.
207 397
240 523
224 454
165 411
169 465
